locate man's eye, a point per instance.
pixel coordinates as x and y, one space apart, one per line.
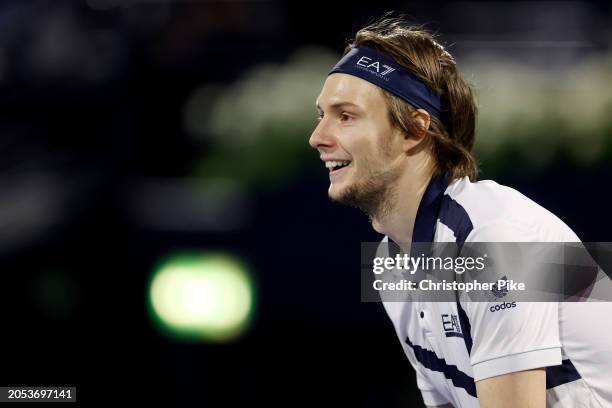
319 117
345 117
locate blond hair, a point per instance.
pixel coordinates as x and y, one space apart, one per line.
451 139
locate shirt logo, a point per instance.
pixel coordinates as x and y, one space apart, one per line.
496 293
451 326
503 306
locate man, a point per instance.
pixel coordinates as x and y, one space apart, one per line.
396 130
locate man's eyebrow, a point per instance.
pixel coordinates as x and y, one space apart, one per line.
340 104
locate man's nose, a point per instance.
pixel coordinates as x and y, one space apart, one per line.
321 136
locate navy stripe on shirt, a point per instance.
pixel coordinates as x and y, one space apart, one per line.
429 360
561 374
436 205
466 328
454 216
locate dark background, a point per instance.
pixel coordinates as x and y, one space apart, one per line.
95 151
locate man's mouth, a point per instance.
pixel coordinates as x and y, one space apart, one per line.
334 166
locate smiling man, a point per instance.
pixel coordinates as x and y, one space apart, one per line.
396 131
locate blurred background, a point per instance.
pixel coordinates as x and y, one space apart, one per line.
165 232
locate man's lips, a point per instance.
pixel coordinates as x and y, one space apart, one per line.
335 165
338 171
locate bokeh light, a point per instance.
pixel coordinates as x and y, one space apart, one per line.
201 297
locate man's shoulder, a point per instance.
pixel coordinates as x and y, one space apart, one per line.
493 208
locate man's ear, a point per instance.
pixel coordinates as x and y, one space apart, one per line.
423 120
411 142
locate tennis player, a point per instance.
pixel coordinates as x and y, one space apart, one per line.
396 131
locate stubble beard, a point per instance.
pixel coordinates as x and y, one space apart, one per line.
375 193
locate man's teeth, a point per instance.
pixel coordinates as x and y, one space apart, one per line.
333 164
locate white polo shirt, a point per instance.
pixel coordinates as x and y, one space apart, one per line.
453 345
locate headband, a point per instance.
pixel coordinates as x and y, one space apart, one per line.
381 70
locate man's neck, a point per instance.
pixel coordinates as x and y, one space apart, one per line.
398 223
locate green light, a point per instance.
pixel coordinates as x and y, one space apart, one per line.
201 296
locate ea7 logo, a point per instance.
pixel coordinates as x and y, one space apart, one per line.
367 63
451 325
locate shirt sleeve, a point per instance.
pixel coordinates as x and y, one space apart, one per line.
511 336
521 336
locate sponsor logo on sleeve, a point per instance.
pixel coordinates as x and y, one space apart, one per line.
502 306
497 293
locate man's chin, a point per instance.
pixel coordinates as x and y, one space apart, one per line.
347 195
370 200
337 193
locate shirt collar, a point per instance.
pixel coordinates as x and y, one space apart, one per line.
429 207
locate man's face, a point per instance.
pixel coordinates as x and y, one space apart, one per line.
357 141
